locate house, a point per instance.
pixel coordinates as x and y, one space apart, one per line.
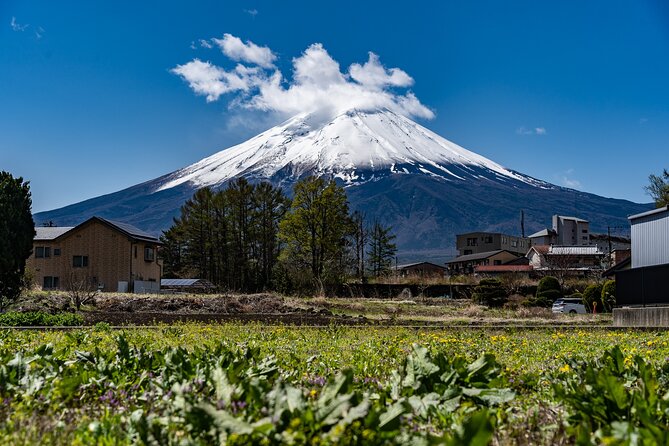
466 264
572 259
423 269
480 242
98 253
645 282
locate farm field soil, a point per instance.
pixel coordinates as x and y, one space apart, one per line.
257 384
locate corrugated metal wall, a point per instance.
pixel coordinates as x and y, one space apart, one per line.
650 240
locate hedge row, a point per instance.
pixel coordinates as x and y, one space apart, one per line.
39 318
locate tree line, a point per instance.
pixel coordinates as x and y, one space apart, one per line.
253 237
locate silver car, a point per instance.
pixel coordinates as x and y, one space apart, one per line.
570 305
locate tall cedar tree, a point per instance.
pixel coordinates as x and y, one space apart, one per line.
17 231
382 250
315 230
228 237
658 188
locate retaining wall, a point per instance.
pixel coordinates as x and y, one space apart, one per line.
641 317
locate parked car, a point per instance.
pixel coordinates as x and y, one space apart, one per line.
571 305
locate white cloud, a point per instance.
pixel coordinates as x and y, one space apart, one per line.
205 44
251 12
16 26
373 74
211 81
39 32
522 130
248 52
318 84
567 180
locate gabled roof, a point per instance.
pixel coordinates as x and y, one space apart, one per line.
478 256
574 251
50 232
129 230
55 232
543 233
539 249
409 265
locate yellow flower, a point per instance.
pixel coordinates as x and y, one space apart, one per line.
313 393
565 368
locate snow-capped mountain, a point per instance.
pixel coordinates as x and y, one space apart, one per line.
395 170
355 147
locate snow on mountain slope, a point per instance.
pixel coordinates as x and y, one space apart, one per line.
355 146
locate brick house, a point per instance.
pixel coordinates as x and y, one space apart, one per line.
107 255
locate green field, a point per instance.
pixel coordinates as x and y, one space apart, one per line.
258 384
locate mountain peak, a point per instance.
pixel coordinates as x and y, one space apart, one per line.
355 146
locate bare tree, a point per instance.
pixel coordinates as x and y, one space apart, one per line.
80 289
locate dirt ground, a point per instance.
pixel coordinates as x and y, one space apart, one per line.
118 308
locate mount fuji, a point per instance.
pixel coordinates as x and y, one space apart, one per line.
395 170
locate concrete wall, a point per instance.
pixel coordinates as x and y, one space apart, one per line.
641 317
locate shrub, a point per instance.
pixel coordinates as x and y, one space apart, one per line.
548 291
609 295
548 283
39 318
592 294
490 292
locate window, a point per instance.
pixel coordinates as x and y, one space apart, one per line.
79 261
467 252
497 262
149 254
50 282
585 238
584 231
488 239
503 239
514 243
56 252
472 241
42 252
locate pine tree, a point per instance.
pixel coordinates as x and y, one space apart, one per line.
17 231
360 238
382 250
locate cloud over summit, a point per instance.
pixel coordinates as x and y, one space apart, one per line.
317 83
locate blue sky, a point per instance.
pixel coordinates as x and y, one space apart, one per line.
575 93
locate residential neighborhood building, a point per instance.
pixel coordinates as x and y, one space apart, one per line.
566 231
422 269
498 270
100 253
186 286
567 259
466 264
479 242
644 283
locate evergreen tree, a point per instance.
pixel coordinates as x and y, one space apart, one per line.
658 188
382 250
17 231
315 230
269 206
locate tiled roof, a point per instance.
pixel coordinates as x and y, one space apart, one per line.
50 232
502 268
574 250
